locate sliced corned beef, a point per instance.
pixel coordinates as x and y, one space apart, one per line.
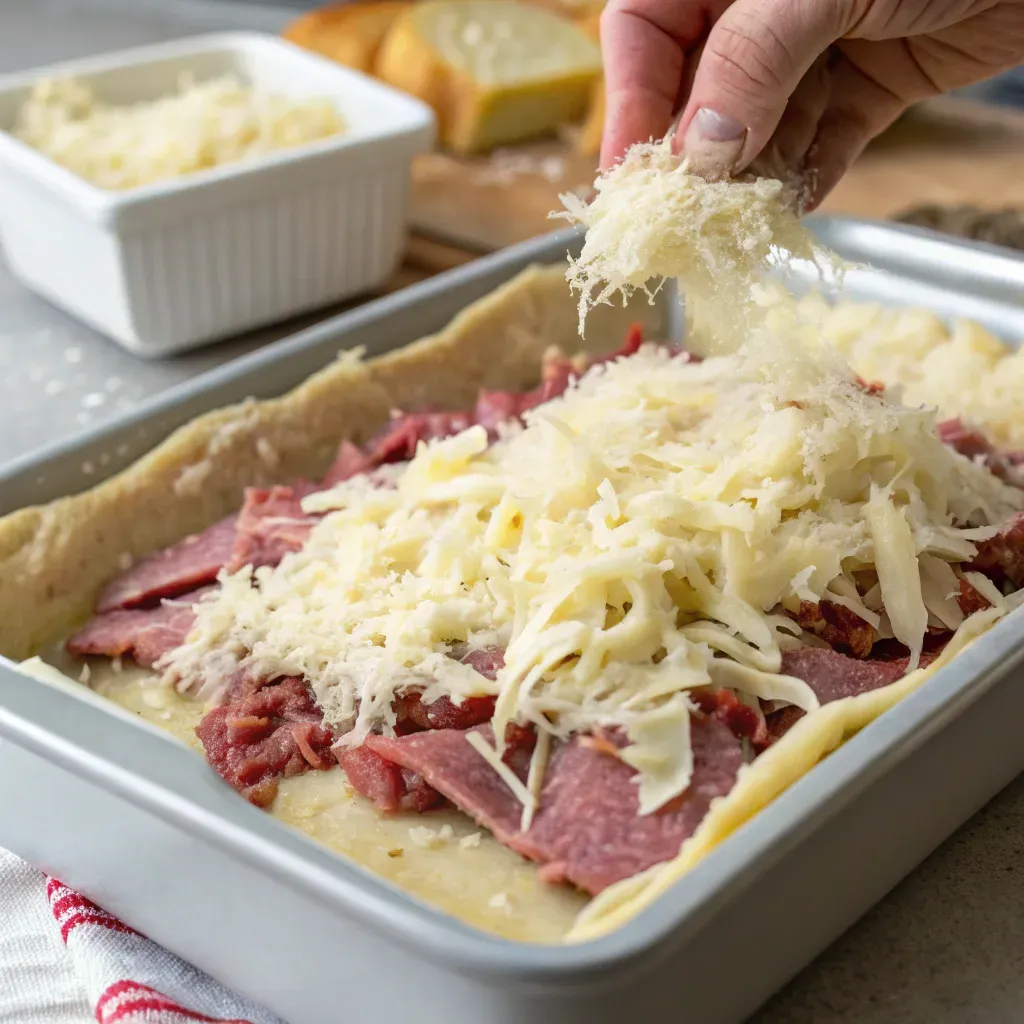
1002 556
832 675
391 787
970 600
587 829
265 732
443 713
778 723
400 438
488 661
975 445
837 625
444 760
742 720
350 461
270 526
192 562
144 634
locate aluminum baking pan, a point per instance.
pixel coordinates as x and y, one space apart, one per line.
144 827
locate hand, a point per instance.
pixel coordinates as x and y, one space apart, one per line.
802 84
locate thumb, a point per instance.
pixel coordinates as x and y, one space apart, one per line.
753 60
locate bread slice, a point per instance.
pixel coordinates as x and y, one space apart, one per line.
350 33
496 72
588 142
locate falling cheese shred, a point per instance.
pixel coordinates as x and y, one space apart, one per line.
509 777
652 220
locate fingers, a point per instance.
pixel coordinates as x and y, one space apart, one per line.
858 110
756 55
644 43
798 126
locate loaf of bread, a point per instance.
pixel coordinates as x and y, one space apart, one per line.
496 72
349 33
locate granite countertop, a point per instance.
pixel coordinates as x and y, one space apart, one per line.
945 947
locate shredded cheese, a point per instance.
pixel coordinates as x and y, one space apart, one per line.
204 125
651 220
640 536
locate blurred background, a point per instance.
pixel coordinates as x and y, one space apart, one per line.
951 165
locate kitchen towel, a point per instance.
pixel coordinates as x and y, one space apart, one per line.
63 960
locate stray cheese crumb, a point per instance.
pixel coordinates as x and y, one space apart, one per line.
471 841
500 901
428 838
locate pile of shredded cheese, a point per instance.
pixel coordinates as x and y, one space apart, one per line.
961 368
204 125
652 220
641 536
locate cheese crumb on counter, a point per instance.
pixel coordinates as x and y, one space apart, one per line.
204 125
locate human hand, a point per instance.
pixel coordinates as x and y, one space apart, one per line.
803 85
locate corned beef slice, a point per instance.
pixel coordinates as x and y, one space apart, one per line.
587 829
144 634
975 445
743 721
832 675
263 732
391 787
270 526
970 600
837 625
1002 556
349 462
192 562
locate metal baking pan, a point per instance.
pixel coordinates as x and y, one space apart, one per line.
146 829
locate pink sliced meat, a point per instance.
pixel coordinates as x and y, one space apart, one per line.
270 526
444 759
192 562
837 626
349 462
833 676
742 720
399 440
265 732
143 634
975 445
443 713
587 829
970 600
391 787
1002 556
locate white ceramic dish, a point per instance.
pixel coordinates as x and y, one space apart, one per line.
171 266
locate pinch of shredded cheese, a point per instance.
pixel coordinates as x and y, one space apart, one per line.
641 536
653 220
204 125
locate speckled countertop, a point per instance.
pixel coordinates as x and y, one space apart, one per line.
945 947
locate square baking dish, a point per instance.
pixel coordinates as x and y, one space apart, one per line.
147 830
167 267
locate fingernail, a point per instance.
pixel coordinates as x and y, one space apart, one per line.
713 144
711 126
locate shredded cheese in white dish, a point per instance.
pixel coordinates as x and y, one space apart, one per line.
204 125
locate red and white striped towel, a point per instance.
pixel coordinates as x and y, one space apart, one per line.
63 960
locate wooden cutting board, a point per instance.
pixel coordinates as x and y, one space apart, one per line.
945 151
